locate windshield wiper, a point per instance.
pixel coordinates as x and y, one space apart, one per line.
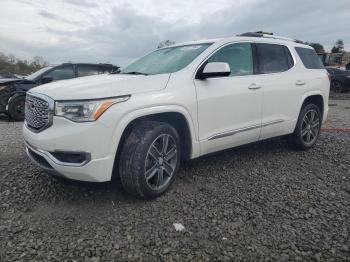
134 73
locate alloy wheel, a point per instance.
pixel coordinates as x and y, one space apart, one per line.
161 161
20 108
310 127
337 87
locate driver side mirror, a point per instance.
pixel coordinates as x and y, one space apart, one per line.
214 69
46 79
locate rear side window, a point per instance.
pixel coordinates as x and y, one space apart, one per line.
309 58
273 58
87 70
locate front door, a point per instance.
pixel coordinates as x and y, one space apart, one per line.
229 108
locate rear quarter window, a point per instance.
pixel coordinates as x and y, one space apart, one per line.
309 58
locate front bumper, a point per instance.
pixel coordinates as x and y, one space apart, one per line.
92 139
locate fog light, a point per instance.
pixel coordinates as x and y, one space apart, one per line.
71 157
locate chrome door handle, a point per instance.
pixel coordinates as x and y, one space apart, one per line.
300 83
254 87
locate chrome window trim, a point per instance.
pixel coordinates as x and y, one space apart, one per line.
290 48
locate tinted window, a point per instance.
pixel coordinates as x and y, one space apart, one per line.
37 74
60 73
238 56
166 60
309 58
273 58
87 70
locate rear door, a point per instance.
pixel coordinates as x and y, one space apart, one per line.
281 94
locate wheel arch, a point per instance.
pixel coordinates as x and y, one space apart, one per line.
176 116
316 98
14 96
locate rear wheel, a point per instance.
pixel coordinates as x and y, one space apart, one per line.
337 86
16 108
307 129
150 159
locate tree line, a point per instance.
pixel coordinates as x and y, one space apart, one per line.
10 65
338 47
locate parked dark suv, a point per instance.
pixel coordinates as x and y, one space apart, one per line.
13 90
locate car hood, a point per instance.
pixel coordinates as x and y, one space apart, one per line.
9 80
101 86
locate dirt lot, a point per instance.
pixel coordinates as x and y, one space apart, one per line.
259 202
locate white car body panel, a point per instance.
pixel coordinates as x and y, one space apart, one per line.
101 86
220 112
223 108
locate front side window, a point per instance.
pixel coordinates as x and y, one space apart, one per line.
239 57
309 58
87 70
273 58
61 73
166 60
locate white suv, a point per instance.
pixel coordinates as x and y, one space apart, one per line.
178 102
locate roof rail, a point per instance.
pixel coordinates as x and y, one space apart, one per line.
87 63
268 35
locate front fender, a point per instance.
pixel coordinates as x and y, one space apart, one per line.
131 116
6 96
16 95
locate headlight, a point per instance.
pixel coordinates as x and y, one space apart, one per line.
88 110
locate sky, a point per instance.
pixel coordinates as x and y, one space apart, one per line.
120 31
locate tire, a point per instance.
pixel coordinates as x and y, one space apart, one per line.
307 129
337 87
16 108
143 155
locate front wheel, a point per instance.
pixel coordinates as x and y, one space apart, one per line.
150 159
16 108
307 129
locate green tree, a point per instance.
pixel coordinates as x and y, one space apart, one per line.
165 43
9 65
318 47
338 46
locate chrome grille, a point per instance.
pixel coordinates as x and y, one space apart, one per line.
38 112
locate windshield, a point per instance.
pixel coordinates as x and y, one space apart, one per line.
33 76
166 60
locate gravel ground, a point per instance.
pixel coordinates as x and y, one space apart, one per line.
339 114
259 202
339 95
